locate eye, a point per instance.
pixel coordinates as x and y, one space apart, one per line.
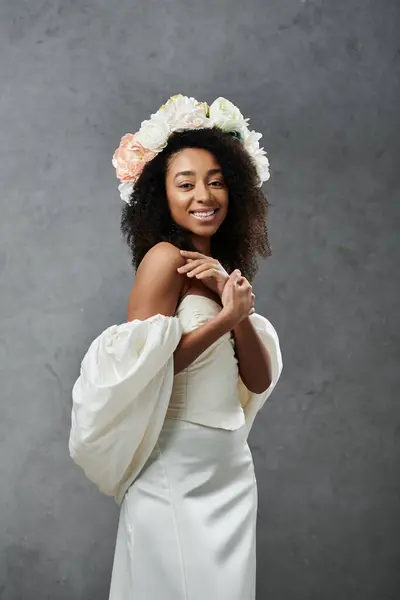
184 185
219 183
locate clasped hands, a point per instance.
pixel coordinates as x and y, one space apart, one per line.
233 289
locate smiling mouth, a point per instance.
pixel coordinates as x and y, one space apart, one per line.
204 215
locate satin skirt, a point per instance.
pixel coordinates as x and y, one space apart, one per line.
187 526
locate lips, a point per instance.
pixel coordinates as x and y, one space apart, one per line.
204 215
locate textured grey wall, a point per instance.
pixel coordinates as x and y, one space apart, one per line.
320 78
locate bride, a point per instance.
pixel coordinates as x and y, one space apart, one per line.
164 402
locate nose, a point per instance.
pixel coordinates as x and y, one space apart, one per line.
201 192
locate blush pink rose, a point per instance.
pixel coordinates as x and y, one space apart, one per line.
130 158
195 121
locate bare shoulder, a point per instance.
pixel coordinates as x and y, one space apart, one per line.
163 253
158 285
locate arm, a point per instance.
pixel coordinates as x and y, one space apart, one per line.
196 342
156 290
253 358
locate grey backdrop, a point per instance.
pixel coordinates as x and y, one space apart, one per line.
320 79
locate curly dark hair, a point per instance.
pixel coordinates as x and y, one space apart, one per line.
146 220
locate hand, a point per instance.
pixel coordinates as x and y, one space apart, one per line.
237 298
205 268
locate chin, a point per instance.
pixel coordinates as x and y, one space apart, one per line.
204 231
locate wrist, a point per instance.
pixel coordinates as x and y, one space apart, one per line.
241 324
227 320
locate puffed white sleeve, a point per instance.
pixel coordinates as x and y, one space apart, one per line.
252 403
120 399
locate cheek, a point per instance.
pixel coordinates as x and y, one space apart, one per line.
177 206
225 202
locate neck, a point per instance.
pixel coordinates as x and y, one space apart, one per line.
202 244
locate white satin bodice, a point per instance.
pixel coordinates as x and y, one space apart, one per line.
126 388
207 392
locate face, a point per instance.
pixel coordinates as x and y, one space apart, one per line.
197 194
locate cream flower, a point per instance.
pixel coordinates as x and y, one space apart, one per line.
178 114
154 133
130 158
226 116
251 144
262 164
182 112
125 190
251 141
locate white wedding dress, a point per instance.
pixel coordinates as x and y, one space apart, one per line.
173 453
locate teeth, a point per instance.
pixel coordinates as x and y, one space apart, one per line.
204 214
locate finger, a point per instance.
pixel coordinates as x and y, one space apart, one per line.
244 284
209 273
192 264
190 254
233 277
231 281
238 278
197 270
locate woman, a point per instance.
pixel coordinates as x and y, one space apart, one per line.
164 402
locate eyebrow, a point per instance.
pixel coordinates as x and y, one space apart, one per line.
210 172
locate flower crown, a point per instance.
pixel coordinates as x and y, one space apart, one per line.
178 114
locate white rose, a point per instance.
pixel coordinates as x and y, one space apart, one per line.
125 190
193 120
251 141
226 116
262 164
154 133
182 112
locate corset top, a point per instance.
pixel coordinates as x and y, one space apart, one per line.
206 392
